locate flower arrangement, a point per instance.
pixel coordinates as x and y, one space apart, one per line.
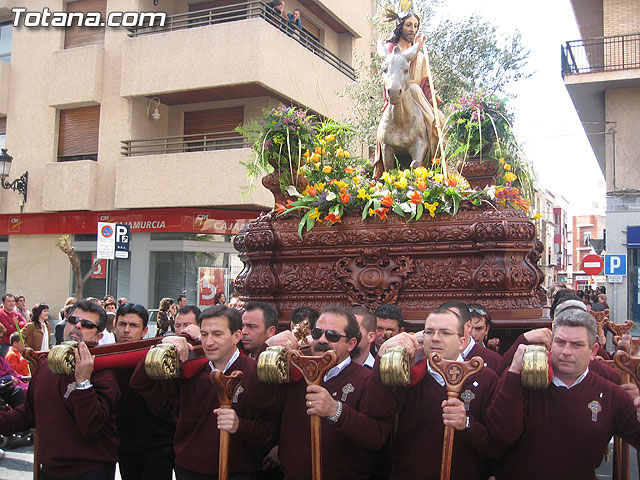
278 141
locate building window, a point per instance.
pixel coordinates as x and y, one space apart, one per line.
78 36
5 41
115 279
79 132
3 271
3 132
213 129
587 239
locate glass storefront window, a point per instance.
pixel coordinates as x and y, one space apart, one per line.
5 41
116 279
3 272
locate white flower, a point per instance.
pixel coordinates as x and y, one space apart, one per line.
406 208
491 192
292 192
331 196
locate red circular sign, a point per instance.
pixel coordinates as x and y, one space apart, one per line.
592 264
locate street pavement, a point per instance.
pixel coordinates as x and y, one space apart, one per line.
18 465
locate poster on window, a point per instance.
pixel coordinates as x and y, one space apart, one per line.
101 270
210 281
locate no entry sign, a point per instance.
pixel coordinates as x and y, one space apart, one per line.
592 264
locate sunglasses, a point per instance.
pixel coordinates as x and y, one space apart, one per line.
331 335
73 320
480 311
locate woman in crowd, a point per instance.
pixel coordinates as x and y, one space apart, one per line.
165 319
219 298
37 332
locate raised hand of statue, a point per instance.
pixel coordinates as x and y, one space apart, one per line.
420 38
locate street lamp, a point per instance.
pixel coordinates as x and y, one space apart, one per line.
19 184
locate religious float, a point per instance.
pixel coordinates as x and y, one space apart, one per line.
342 233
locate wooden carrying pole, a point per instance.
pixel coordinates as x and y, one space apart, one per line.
629 367
313 369
455 375
226 386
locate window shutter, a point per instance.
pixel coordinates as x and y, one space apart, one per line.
3 126
79 132
78 36
213 121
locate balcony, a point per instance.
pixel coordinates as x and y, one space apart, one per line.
602 54
191 174
76 77
218 49
5 71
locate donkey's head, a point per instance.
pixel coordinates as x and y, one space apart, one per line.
395 70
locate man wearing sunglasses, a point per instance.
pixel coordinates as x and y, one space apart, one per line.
146 435
348 433
472 348
74 415
423 409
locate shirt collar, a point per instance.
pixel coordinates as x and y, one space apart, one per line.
559 383
472 343
370 361
335 371
233 358
436 376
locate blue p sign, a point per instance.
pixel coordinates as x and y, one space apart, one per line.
615 264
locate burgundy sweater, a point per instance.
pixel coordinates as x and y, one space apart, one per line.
75 434
197 438
416 450
491 359
139 428
552 431
346 445
595 365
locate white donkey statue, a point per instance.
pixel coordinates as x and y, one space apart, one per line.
403 127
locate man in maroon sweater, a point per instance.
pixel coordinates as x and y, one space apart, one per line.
74 417
146 436
200 417
348 433
8 317
471 347
562 431
423 409
259 322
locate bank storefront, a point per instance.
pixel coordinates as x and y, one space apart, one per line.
172 252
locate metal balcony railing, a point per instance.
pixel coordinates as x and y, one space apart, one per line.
183 143
601 54
243 11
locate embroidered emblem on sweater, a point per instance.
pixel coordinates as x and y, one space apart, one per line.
466 397
595 408
238 392
346 390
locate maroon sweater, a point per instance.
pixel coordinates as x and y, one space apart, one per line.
346 445
595 365
197 438
140 428
491 359
75 434
416 449
552 431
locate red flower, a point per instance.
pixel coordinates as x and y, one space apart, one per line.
415 197
344 198
387 201
421 184
382 213
312 191
453 181
332 218
280 208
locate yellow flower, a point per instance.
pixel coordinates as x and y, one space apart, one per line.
537 216
347 154
387 177
507 167
326 169
438 177
510 177
317 165
421 172
306 191
355 180
501 161
372 212
362 193
341 184
320 186
431 207
349 170
401 183
339 152
306 154
315 214
315 157
320 150
330 138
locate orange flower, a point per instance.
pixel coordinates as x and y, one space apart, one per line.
326 169
435 161
453 181
382 213
387 201
312 191
344 198
421 184
280 208
349 170
415 197
332 218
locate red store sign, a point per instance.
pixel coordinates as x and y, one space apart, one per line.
185 220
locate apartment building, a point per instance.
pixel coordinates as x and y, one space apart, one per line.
136 125
587 238
602 74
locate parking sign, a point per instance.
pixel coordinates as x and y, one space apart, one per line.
615 264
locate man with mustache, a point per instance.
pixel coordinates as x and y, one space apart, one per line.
74 415
146 433
348 434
